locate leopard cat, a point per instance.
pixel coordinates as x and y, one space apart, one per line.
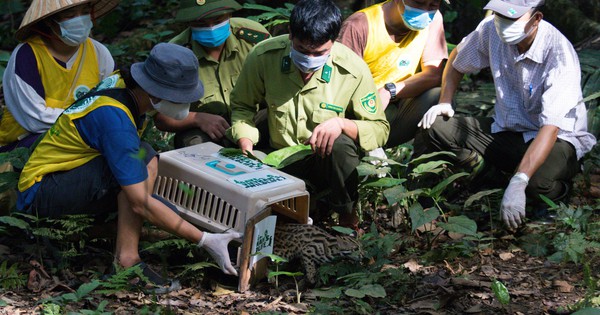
312 245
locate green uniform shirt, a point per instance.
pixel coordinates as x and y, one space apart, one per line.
219 76
344 87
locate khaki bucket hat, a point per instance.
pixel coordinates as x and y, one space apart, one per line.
41 9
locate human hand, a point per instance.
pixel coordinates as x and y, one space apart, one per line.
385 96
214 126
246 145
513 202
216 246
436 110
324 135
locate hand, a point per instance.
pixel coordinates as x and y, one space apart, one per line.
246 145
436 110
214 126
322 138
216 246
385 97
513 202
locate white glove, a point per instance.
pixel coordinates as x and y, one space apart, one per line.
436 110
513 202
216 246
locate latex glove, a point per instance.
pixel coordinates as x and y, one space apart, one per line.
216 246
513 202
436 110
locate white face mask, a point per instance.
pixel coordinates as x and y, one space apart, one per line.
307 64
170 109
75 31
511 32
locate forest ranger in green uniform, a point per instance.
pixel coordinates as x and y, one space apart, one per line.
318 92
221 44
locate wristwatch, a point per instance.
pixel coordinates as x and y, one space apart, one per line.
391 87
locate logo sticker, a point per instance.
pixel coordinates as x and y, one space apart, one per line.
403 63
80 91
511 12
368 103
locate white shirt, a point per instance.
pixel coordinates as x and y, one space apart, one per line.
27 106
539 87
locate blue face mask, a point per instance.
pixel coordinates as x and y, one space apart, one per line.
307 64
75 31
416 19
213 36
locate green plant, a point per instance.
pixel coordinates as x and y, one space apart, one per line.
80 294
500 292
275 274
360 286
271 16
10 278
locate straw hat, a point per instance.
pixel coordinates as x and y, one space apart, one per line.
41 9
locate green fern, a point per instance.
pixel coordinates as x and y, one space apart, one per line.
121 280
10 279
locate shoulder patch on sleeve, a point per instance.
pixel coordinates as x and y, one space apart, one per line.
250 35
368 103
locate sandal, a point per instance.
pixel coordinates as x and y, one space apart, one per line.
150 282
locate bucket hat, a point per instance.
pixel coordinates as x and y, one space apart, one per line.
41 9
170 73
513 9
190 10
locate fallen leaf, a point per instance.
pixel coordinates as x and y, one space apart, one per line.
563 286
506 256
474 309
412 265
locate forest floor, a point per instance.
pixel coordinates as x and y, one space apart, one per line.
456 285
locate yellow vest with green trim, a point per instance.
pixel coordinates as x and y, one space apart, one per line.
390 61
57 82
62 148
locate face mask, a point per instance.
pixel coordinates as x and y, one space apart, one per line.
212 36
511 32
306 63
75 31
416 19
170 109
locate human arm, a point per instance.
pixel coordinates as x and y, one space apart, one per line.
367 113
450 82
323 136
24 93
248 91
213 125
513 202
415 85
106 63
154 211
354 32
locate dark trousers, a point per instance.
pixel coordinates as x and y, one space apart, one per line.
88 189
336 172
504 150
405 114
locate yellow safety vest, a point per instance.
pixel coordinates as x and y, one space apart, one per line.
57 82
62 148
390 61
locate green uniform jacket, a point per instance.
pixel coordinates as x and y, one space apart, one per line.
219 76
344 87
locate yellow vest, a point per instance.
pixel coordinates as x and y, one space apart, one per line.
390 61
57 82
62 148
